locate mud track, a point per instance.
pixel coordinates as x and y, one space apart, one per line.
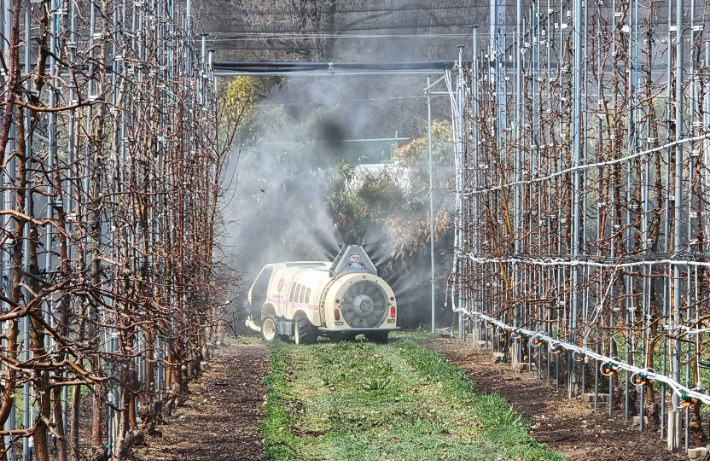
220 421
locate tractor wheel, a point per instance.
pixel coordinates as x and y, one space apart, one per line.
304 331
377 336
268 328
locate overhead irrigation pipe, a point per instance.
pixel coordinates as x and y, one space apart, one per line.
610 365
233 73
384 65
325 69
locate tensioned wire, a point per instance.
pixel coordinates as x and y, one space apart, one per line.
592 165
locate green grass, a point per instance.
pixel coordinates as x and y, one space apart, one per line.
419 335
365 401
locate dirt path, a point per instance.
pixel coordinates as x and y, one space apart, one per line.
567 426
221 420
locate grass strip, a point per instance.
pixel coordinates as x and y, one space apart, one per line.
279 441
363 401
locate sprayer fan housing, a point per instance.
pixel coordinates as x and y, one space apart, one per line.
364 305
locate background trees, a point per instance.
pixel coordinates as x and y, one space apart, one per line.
387 209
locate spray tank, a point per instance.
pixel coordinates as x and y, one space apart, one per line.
307 299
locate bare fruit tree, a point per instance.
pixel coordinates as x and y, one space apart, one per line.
112 148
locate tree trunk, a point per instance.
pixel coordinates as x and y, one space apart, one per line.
59 424
75 420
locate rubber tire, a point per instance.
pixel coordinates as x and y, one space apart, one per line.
268 328
304 332
377 336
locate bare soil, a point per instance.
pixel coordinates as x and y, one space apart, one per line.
220 421
565 425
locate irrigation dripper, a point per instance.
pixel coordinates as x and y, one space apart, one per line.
609 369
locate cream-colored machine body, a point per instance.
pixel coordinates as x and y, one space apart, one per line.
307 299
